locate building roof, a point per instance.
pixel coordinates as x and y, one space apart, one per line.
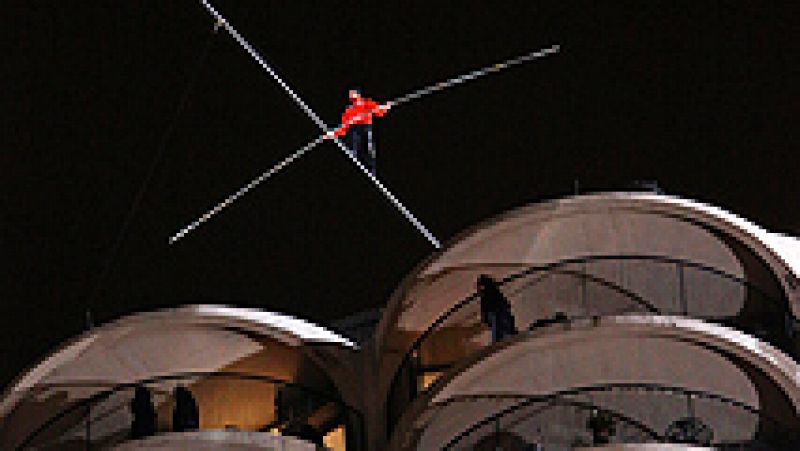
617 223
646 350
480 243
201 338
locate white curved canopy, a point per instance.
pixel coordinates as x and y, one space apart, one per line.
626 223
667 351
300 328
195 338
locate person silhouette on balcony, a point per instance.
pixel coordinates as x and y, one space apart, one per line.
601 424
310 434
495 309
185 416
144 413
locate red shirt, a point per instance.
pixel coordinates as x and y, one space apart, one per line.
359 112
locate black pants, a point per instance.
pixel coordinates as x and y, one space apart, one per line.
501 324
359 140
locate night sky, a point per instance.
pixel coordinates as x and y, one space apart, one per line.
701 96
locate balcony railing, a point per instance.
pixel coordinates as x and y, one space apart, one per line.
613 413
227 401
594 286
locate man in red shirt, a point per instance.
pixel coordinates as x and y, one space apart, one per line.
357 124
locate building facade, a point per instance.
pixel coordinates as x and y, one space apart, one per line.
640 321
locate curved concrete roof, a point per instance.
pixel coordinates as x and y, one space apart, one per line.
786 249
189 338
217 440
605 223
672 351
585 338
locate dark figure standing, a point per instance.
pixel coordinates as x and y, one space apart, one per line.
185 417
601 424
310 434
144 414
357 125
495 309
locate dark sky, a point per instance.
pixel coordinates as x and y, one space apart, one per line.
702 96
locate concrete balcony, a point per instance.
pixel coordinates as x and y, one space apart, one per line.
218 440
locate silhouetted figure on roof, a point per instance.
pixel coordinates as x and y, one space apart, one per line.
647 186
185 416
495 309
144 413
